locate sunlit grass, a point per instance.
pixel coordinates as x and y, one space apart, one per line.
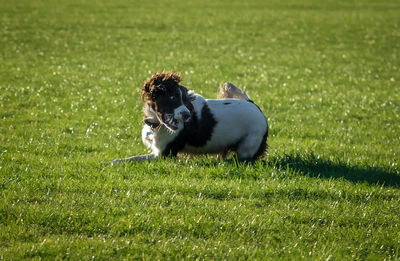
325 74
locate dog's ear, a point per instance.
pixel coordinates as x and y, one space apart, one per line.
187 98
184 91
146 90
186 95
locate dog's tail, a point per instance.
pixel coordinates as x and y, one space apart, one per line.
228 90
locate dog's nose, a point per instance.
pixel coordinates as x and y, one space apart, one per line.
185 116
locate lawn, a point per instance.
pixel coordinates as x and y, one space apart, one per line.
325 73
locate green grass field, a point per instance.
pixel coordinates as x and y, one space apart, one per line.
325 73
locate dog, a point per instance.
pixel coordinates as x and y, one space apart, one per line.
177 120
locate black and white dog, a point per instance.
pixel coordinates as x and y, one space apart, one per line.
181 121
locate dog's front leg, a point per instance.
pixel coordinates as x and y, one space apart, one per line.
139 158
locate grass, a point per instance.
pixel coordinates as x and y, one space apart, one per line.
325 73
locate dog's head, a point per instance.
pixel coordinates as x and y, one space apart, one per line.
167 102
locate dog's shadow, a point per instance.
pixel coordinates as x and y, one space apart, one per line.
317 167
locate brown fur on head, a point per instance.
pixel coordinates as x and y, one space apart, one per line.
162 94
164 79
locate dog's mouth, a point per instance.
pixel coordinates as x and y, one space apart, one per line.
170 121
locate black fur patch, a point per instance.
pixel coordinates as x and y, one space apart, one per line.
262 149
263 146
196 133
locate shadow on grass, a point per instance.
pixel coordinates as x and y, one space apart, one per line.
314 166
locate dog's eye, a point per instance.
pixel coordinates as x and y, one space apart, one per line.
172 98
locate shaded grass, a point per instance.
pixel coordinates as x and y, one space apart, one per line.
317 167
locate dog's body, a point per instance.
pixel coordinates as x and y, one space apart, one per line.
181 121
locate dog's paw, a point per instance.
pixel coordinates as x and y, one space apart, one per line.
114 162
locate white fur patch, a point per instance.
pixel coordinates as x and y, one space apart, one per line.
238 122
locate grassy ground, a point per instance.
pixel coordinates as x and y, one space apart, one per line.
326 74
